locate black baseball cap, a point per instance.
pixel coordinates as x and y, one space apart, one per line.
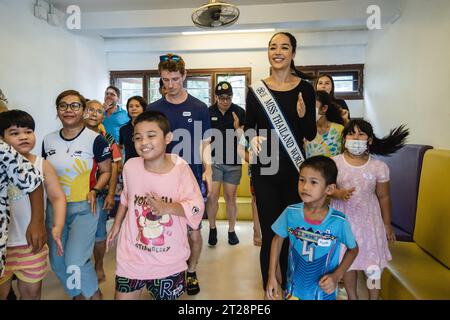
224 88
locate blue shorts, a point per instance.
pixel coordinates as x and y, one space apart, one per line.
168 288
100 234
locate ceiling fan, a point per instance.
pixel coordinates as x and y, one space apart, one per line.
215 14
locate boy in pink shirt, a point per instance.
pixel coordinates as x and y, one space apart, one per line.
162 197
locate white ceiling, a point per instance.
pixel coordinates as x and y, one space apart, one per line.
125 5
142 18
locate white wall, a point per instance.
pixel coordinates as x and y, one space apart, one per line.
408 73
39 61
239 50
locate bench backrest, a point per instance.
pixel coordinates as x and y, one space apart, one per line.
432 230
405 167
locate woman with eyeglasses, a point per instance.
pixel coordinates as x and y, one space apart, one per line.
276 190
72 151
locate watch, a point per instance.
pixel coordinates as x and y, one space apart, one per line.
97 191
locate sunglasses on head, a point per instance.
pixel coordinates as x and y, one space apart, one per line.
168 57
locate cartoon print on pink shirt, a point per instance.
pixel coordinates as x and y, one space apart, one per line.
151 227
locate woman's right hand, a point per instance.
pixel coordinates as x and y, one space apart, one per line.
112 235
256 144
301 107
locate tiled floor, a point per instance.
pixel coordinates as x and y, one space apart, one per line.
225 272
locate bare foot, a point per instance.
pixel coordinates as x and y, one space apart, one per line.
98 295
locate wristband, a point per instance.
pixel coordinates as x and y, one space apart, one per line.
97 191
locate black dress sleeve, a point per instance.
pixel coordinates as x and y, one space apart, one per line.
308 122
250 112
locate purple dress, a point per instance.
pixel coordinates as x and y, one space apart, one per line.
363 211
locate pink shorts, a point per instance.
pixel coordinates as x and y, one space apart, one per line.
26 265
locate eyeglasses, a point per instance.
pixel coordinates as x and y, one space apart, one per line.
74 106
93 111
225 98
168 57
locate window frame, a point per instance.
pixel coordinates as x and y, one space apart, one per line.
212 72
352 69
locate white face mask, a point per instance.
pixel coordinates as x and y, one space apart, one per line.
356 147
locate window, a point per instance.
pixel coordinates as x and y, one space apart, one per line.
200 83
199 86
348 79
153 89
129 87
130 83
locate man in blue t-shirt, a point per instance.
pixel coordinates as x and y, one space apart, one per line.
115 116
316 232
189 122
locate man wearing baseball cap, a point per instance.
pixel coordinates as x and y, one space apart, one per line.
226 169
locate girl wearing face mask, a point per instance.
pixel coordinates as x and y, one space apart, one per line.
328 141
363 195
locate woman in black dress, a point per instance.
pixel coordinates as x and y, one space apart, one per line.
296 99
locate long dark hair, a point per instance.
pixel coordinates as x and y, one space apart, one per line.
293 42
332 83
333 113
388 145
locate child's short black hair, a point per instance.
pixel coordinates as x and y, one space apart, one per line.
326 166
155 116
17 118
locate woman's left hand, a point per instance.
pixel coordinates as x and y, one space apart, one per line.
389 233
301 108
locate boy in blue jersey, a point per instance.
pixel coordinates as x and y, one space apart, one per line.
316 232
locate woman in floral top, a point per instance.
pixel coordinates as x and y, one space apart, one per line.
328 141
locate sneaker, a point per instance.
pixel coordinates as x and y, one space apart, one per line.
232 238
192 286
212 240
